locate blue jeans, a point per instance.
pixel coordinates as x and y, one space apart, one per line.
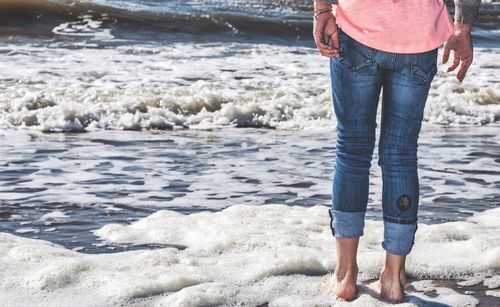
357 77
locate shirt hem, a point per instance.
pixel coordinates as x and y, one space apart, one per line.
400 48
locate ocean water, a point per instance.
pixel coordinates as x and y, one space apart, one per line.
139 65
182 152
59 187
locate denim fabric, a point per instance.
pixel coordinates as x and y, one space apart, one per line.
358 76
347 224
396 238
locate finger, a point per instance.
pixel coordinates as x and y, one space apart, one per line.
456 61
330 55
463 68
326 39
329 51
319 41
446 54
335 41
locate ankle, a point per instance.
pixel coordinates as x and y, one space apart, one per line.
349 272
389 274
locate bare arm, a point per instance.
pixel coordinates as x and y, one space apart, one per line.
325 29
460 42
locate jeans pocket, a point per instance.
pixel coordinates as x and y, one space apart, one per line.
424 65
354 55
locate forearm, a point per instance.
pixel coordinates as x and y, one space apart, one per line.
466 11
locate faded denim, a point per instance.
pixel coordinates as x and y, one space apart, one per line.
358 76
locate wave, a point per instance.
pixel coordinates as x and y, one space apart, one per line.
45 17
199 86
139 20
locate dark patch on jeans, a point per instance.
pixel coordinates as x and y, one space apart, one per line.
404 202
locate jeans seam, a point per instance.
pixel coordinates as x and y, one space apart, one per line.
413 239
331 222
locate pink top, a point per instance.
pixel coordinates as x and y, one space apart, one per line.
401 26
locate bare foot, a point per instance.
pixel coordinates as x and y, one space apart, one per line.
343 285
391 287
346 288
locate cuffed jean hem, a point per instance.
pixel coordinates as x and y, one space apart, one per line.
397 220
399 237
346 224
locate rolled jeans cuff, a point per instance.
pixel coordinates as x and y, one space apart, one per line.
347 224
399 238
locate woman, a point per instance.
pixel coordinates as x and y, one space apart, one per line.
391 45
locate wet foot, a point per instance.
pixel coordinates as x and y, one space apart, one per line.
392 287
343 285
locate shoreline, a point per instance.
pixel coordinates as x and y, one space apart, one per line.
248 255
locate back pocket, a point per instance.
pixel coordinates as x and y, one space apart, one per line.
424 65
354 55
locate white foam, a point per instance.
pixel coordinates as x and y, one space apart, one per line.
201 86
492 282
472 281
86 26
55 215
493 293
444 295
27 230
247 254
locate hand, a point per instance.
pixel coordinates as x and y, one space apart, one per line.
324 29
461 44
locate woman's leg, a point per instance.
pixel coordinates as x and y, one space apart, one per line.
393 278
356 84
404 97
346 269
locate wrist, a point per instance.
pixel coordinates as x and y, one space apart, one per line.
319 13
460 27
318 5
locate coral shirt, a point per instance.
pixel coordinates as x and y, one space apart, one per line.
401 26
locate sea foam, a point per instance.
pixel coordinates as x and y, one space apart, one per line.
243 254
83 87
